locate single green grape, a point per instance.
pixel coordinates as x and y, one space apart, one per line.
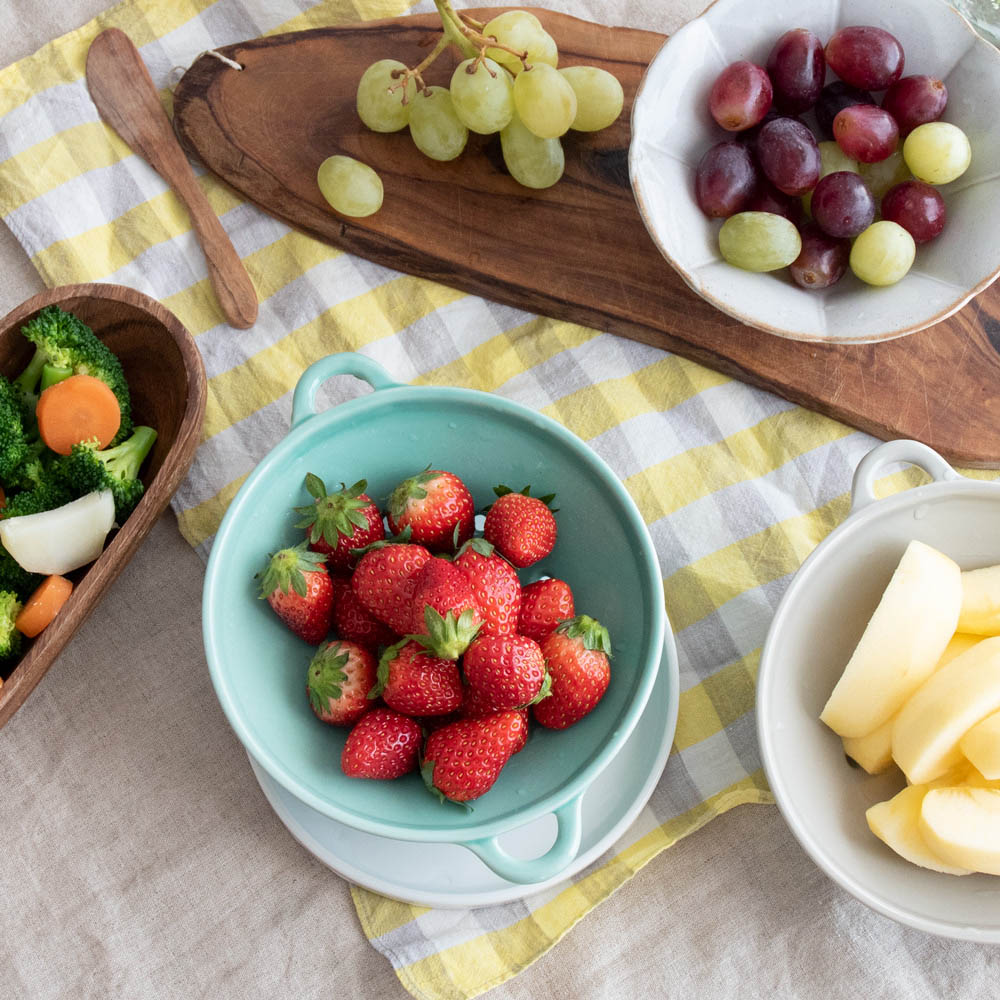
434 127
379 109
533 162
522 32
883 253
545 101
599 97
831 160
759 241
885 174
484 99
350 186
937 152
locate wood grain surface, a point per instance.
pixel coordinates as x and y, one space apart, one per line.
166 379
577 251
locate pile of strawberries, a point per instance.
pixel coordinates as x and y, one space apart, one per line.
440 654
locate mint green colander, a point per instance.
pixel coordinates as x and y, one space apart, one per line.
604 551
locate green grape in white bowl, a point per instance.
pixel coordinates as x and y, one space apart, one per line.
759 241
883 253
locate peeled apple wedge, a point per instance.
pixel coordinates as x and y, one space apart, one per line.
980 601
901 644
962 827
981 745
60 540
926 735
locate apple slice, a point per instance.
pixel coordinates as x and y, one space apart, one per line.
981 745
927 731
901 644
980 601
962 827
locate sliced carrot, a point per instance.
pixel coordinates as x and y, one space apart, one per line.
80 408
43 605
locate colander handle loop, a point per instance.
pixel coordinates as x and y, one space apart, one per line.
347 363
874 463
552 862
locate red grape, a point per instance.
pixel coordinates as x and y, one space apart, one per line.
915 100
842 205
866 133
917 207
789 156
833 98
767 198
822 260
740 96
796 67
725 180
865 56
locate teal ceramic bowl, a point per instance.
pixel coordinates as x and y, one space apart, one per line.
604 551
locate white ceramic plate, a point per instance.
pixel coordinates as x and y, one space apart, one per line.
815 629
449 876
672 129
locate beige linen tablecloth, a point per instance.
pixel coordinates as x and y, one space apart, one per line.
141 859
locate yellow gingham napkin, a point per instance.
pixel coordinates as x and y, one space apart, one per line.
736 485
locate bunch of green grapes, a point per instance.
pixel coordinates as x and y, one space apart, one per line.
508 83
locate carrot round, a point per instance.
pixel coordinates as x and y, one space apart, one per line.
43 605
80 408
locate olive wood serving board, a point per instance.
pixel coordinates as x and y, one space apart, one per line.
577 251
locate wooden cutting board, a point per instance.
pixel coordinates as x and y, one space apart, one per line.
577 251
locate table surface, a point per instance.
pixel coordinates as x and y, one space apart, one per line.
212 897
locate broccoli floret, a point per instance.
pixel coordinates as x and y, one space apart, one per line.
68 346
10 638
16 579
47 494
87 470
13 440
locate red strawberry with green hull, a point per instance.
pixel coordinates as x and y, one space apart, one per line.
382 744
521 526
576 655
508 671
436 506
353 621
463 759
445 615
413 682
298 588
338 681
338 522
383 582
495 584
544 604
474 705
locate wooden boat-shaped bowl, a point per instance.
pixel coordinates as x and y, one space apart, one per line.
166 378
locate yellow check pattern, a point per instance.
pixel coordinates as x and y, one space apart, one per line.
736 486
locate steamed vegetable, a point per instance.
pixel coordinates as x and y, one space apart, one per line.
75 409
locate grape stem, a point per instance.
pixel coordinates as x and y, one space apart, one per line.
415 74
466 33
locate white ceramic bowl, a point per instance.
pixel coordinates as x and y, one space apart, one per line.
815 629
672 128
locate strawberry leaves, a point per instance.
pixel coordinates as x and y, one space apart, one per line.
333 515
326 677
286 570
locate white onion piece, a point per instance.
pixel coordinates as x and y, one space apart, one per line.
63 539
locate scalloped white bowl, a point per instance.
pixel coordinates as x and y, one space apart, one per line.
672 128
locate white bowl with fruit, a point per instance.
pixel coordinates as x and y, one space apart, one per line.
824 171
885 648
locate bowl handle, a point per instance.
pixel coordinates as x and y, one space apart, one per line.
553 861
347 363
904 450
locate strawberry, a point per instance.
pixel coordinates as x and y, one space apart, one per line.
338 681
544 604
576 655
437 508
445 616
339 522
413 682
474 705
521 526
495 585
383 581
382 744
508 671
352 620
463 759
298 588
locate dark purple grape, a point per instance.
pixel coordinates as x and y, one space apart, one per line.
822 260
796 67
833 98
866 133
865 57
724 180
915 100
740 96
767 198
789 156
917 207
842 205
